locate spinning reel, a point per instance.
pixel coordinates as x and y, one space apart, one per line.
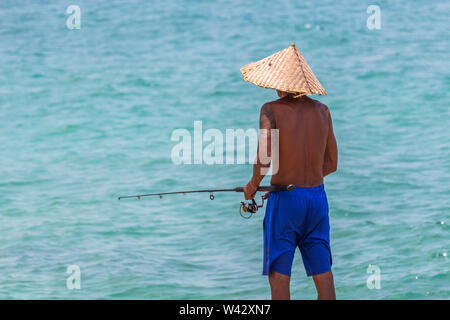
250 208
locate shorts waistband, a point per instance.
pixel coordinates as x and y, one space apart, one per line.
318 188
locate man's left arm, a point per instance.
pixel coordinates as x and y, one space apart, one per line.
260 168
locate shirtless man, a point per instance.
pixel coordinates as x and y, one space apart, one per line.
298 218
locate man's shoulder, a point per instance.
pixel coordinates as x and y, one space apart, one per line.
270 103
322 106
316 103
267 106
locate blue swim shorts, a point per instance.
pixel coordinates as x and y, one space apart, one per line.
297 218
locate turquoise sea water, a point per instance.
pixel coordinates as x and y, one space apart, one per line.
87 115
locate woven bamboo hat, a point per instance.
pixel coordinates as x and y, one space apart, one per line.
286 71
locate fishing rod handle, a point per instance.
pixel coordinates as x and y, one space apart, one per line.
273 188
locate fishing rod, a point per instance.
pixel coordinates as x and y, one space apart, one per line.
251 207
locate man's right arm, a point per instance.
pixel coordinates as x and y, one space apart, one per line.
331 152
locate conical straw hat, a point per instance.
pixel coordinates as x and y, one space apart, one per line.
285 70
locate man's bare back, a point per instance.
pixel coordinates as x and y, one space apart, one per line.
307 145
